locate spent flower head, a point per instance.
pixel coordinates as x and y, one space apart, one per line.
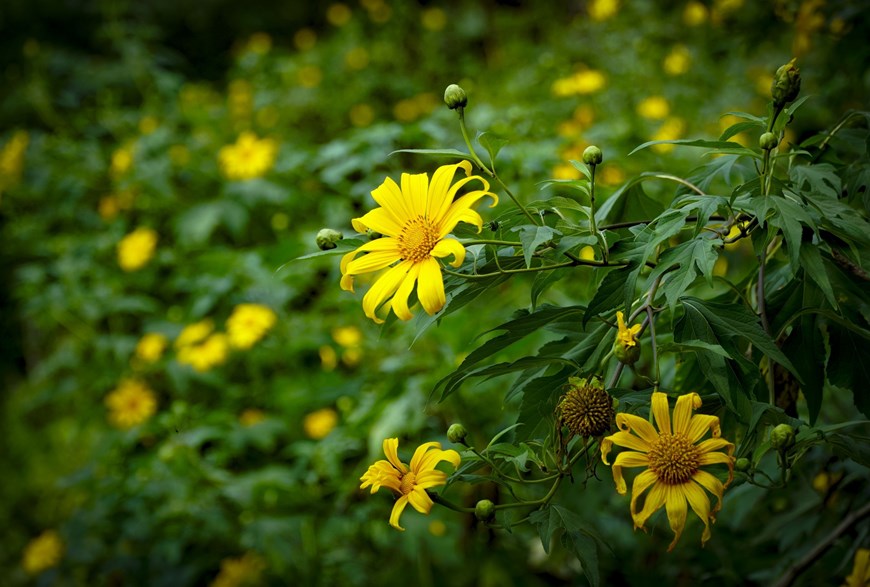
586 409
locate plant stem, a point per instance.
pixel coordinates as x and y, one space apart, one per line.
449 504
762 312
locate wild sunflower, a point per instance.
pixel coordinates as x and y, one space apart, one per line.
673 459
409 483
415 221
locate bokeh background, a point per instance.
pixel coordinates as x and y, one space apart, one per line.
184 404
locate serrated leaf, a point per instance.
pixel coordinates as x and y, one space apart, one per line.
576 537
699 252
534 236
790 217
811 261
611 293
492 144
451 153
718 146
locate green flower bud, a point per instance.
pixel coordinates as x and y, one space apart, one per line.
782 437
768 141
627 355
457 433
484 510
455 97
592 155
786 84
742 464
327 239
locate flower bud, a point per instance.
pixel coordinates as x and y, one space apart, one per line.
742 464
327 238
786 84
627 355
457 433
455 97
768 141
484 510
782 437
592 155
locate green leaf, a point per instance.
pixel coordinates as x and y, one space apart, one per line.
451 153
611 292
821 178
811 261
544 281
718 146
849 364
532 237
576 537
700 252
492 144
540 395
740 127
790 217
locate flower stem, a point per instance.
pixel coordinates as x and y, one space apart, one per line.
449 504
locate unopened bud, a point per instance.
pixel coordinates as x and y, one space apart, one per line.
786 84
455 97
782 437
457 433
742 464
768 141
327 238
484 510
592 155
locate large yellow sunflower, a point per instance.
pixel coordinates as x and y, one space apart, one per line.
409 483
414 219
673 459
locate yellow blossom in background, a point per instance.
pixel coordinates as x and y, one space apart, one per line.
110 206
437 528
584 114
351 357
347 336
248 158
672 129
379 12
677 61
357 58
280 221
260 43
809 20
249 323
602 9
695 13
434 19
130 404
610 175
122 161
244 571
409 483
305 39
136 249
328 358
625 336
194 333
251 416
860 576
150 347
338 14
309 76
43 552
319 423
406 110
148 125
673 460
209 353
587 81
653 108
361 115
566 171
415 220
569 129
12 159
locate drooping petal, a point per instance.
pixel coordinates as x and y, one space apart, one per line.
606 446
626 459
379 245
661 412
390 197
638 425
432 478
700 505
700 424
640 484
654 500
454 189
460 211
420 500
675 504
431 459
683 411
430 286
715 458
415 189
468 217
629 440
383 288
440 197
711 484
391 450
449 246
712 444
380 220
420 453
399 303
371 262
397 512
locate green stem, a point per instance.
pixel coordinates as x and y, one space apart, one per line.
595 232
449 504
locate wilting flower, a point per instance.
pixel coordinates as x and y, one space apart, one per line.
43 552
150 347
409 483
136 249
130 404
319 423
240 572
673 459
860 576
415 221
249 323
585 408
248 158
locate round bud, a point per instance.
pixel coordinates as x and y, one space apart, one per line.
592 155
455 97
457 433
786 84
782 437
742 464
484 510
327 238
768 141
627 355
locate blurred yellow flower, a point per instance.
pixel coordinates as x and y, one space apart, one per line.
249 323
434 19
437 528
280 221
670 130
108 207
209 353
361 115
194 333
305 39
260 43
677 61
415 220
338 14
319 423
328 358
357 58
860 576
248 157
406 110
122 161
43 552
565 171
351 357
587 81
584 114
378 11
611 175
12 159
347 336
148 125
695 13
602 9
309 76
243 571
150 347
251 416
130 404
409 483
653 108
136 249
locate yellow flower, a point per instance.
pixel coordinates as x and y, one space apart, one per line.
860 576
583 82
357 58
260 43
677 61
603 9
194 333
150 347
136 249
319 423
130 404
251 416
122 161
347 336
434 19
43 552
12 159
409 483
338 14
309 76
653 108
148 125
248 324
207 354
565 171
328 358
248 158
695 13
415 221
670 130
361 115
626 336
240 572
673 459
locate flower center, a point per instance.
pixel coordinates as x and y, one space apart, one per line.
674 459
417 239
409 479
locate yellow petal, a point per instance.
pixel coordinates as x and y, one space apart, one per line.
606 446
700 505
371 262
390 197
379 245
383 288
683 411
641 483
431 459
391 450
449 246
415 188
430 286
420 500
638 425
651 504
432 478
460 211
380 220
712 444
626 459
420 453
675 504
439 189
661 412
700 424
399 303
711 484
629 440
397 512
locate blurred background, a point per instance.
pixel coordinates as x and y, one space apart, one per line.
184 404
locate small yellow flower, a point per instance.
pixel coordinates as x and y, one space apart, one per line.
328 358
347 336
309 76
673 459
565 171
653 108
860 576
12 159
319 423
357 58
670 130
148 125
136 249
130 404
150 347
409 483
434 19
583 82
338 14
248 324
260 43
122 161
361 115
695 13
248 158
43 552
611 175
626 336
678 60
209 353
194 333
415 221
243 571
603 9
251 416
